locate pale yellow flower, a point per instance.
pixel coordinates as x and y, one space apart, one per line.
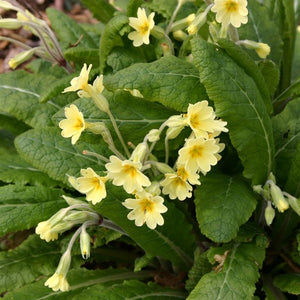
143 25
177 185
199 154
92 185
73 125
80 82
57 282
44 230
263 50
127 173
201 119
233 12
146 208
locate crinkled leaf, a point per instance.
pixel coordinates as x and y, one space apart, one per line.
14 169
111 37
79 280
81 55
237 277
132 290
173 241
23 207
6 142
156 82
27 262
133 6
286 127
23 91
261 28
250 67
48 151
223 204
68 30
288 283
201 266
237 101
101 9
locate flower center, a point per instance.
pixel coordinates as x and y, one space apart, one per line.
231 6
79 124
146 205
182 173
194 121
196 151
144 28
130 170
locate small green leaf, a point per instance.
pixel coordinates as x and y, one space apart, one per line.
238 101
49 152
237 277
156 82
286 127
81 55
111 37
68 30
101 10
142 262
23 207
223 204
27 262
23 91
14 169
173 241
288 283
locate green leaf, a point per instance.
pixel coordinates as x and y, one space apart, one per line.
6 142
286 127
46 150
261 28
23 91
237 101
101 9
223 204
288 283
201 266
132 289
11 124
237 277
132 7
135 117
250 67
81 55
27 262
14 169
79 280
68 30
142 262
296 59
172 241
111 38
157 81
23 207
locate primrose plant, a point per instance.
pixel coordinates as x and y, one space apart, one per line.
196 101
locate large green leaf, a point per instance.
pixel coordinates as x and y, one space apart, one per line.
223 204
288 283
48 151
261 28
157 81
81 55
23 91
23 207
286 126
238 101
132 289
14 169
27 262
68 30
237 277
135 116
172 241
101 9
79 280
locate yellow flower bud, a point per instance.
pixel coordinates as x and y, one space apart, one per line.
85 244
20 58
10 23
278 198
269 214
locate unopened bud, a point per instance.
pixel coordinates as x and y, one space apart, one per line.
262 49
278 198
100 128
183 23
154 188
64 263
139 152
10 23
72 201
98 84
158 32
163 168
100 101
173 132
179 35
198 22
269 214
6 5
153 135
85 244
20 58
135 93
293 202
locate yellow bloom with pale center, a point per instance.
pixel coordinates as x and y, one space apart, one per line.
263 50
80 82
146 208
73 125
92 185
177 185
233 12
142 25
201 118
127 173
44 230
199 154
57 282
